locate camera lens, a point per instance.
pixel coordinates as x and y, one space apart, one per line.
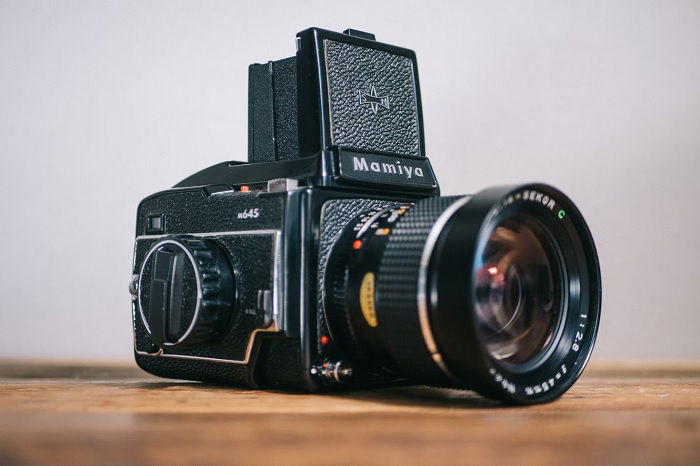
518 286
497 292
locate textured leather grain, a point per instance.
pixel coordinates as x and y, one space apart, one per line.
372 99
219 373
194 211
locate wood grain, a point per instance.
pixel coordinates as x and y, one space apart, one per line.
70 413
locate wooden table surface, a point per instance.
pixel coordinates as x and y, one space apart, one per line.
63 413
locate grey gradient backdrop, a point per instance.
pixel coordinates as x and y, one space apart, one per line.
103 103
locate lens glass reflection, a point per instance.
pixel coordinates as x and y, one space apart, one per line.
518 291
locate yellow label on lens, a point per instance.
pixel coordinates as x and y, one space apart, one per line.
367 299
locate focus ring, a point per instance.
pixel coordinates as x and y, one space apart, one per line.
397 289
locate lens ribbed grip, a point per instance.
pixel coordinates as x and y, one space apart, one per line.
397 289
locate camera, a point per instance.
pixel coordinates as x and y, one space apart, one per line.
330 261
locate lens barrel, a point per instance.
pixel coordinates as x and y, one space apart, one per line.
497 292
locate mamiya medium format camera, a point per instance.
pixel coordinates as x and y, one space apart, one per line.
331 260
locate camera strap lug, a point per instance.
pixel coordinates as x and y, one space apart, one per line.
134 287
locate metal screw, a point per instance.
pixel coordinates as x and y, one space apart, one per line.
337 371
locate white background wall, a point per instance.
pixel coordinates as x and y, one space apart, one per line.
103 103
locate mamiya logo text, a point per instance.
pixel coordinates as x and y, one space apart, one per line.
360 164
374 100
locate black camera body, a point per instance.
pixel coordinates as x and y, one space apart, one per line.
262 274
299 192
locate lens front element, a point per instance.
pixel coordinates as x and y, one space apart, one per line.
518 286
